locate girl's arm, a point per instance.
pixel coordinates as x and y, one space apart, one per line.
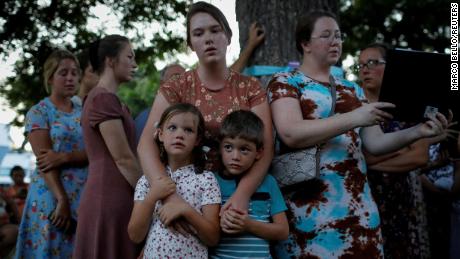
252 179
234 222
49 159
141 216
40 139
114 136
256 36
206 225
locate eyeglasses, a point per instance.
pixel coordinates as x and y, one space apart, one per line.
370 64
329 37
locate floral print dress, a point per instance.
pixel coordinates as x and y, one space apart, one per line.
37 237
333 216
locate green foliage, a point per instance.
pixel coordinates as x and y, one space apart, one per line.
415 24
37 27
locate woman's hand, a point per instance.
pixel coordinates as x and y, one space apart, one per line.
60 217
256 35
371 114
434 127
161 187
48 159
237 202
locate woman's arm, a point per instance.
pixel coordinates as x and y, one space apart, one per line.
256 36
256 174
234 222
377 143
114 136
49 159
40 139
206 225
299 133
147 150
409 158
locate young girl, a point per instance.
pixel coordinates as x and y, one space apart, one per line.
179 135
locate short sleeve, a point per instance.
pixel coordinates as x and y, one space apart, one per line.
104 107
37 117
211 193
256 94
171 90
279 87
278 204
142 188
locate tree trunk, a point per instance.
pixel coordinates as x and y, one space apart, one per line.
279 19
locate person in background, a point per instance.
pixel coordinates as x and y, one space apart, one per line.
89 77
393 177
256 37
334 215
54 132
18 191
216 90
109 135
179 136
241 146
8 226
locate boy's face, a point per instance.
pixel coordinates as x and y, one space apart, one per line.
18 177
238 155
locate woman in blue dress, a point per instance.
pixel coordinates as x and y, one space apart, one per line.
54 132
333 216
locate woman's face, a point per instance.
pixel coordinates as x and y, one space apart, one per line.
125 65
325 45
371 78
65 79
208 39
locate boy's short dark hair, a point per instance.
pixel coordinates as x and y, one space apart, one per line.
16 168
243 124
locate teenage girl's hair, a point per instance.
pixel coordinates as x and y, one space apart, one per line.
108 47
52 64
203 7
199 159
306 25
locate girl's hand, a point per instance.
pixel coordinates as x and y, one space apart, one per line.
161 187
60 217
434 127
48 159
371 114
256 34
170 212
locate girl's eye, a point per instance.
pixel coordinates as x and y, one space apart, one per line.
228 147
172 127
188 130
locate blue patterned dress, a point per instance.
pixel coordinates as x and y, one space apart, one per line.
37 237
333 216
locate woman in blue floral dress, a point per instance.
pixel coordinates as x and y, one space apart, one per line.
333 216
54 131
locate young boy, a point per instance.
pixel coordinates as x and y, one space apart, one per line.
246 234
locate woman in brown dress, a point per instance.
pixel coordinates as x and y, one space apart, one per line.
216 91
109 136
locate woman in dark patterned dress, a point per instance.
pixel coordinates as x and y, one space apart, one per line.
333 216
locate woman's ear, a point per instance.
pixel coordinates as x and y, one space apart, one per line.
306 47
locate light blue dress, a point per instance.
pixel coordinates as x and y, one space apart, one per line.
37 237
334 216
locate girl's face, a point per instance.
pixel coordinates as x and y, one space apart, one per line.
125 64
179 136
64 81
208 39
89 78
325 45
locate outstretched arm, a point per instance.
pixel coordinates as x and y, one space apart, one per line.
256 36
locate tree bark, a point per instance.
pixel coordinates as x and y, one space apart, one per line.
279 19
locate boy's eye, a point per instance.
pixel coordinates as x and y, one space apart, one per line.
244 150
